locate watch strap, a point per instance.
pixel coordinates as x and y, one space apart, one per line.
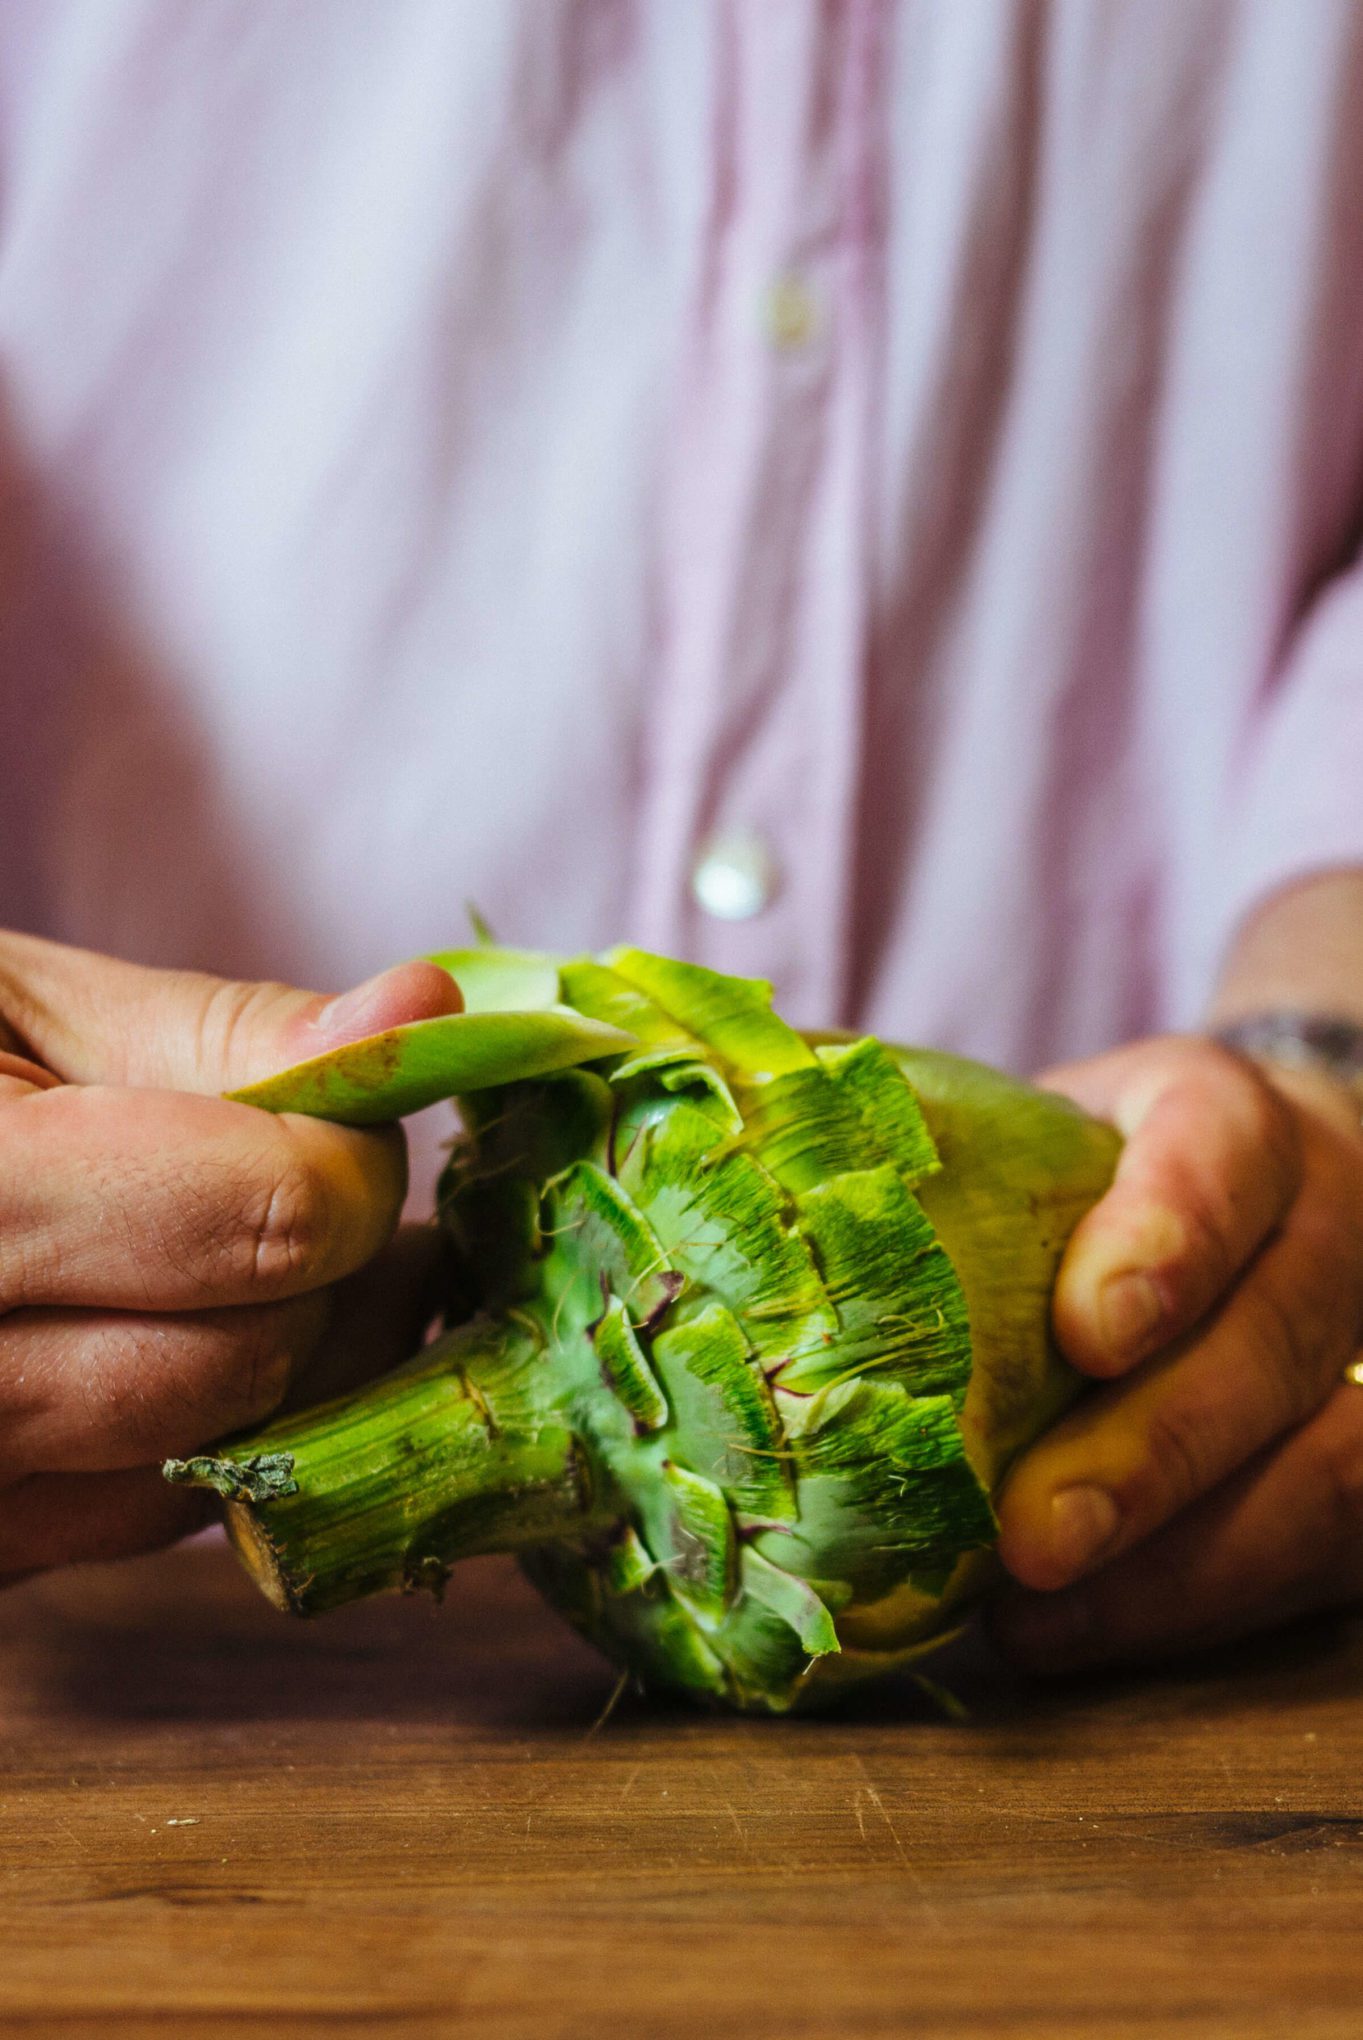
1304 1041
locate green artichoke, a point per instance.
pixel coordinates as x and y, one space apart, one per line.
744 1328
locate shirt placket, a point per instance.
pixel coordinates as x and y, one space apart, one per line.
748 834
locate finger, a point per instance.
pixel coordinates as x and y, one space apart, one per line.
381 1316
96 1020
90 1391
159 1200
72 1518
1284 1538
1136 1453
1210 1167
19 1076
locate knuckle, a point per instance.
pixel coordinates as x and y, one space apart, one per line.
221 1374
1288 1355
228 1015
1179 1452
282 1228
250 1379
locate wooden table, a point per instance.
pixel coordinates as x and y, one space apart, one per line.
403 1820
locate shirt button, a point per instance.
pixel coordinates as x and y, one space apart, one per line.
734 876
792 314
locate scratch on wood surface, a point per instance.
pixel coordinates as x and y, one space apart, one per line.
910 1869
628 1785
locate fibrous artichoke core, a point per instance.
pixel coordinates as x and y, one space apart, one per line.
746 1327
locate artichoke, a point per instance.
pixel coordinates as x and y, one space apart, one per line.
744 1328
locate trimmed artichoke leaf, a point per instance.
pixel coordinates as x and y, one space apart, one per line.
406 1068
602 994
804 1128
722 1220
709 1092
650 1100
794 1600
651 1632
698 1551
678 1071
731 1015
900 1306
885 1487
625 1366
599 1245
876 1087
496 980
724 1421
775 1627
629 1566
651 1062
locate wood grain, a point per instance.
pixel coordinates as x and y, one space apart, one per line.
402 1820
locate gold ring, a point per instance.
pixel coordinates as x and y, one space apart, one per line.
1354 1373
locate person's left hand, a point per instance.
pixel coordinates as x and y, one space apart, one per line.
1215 1485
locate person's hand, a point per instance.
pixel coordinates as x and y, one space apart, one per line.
167 1259
1216 1484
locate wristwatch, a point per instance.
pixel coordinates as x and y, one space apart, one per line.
1302 1041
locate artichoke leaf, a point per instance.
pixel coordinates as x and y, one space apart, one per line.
899 1303
733 1016
725 1423
697 1535
386 1076
591 987
722 1220
778 1627
496 980
891 1115
625 1366
599 1245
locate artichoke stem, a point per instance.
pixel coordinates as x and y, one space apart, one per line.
388 1488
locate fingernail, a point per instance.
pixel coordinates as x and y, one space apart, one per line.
349 1013
1084 1522
1130 1310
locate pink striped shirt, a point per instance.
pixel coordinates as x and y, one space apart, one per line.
862 494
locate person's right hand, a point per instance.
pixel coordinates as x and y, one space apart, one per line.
166 1257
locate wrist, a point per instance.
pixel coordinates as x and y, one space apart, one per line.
1316 1057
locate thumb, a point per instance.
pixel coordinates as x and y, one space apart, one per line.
93 1019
